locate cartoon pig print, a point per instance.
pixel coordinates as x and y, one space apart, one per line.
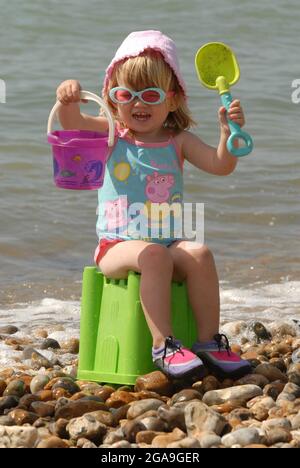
157 188
116 212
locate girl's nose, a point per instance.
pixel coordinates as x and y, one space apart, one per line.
137 102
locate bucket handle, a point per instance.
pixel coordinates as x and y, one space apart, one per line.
91 97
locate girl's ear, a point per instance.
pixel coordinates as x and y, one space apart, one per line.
173 103
114 106
173 107
114 109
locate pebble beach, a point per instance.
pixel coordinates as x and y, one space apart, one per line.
43 405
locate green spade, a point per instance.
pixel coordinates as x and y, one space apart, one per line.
217 68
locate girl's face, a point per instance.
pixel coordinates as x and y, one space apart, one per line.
145 120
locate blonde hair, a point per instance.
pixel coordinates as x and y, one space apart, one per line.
150 70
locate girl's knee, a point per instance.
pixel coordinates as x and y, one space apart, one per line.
111 271
200 253
156 255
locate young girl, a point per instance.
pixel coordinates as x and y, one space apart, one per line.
146 93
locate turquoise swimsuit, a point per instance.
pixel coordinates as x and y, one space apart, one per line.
138 177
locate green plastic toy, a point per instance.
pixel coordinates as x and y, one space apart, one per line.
217 68
115 341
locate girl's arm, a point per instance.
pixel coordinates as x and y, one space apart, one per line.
70 117
218 160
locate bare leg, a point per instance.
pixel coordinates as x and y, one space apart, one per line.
155 264
196 265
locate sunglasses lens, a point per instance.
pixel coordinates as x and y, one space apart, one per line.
122 95
151 96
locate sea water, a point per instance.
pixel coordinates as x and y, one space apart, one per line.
252 217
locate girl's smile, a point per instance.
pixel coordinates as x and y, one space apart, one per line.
141 116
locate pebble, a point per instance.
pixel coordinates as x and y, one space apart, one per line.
88 427
260 408
42 409
209 440
162 441
38 361
8 402
186 443
261 332
140 407
16 388
199 417
146 437
71 346
276 422
279 363
296 356
185 395
67 384
238 415
114 436
104 417
241 437
18 437
155 382
153 423
85 443
77 408
295 421
39 382
50 343
273 389
243 392
253 379
294 374
44 395
9 330
290 389
228 406
53 442
2 387
271 372
255 446
172 417
40 333
119 398
103 392
131 428
20 417
278 434
58 428
209 382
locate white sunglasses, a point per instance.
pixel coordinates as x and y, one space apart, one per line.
121 95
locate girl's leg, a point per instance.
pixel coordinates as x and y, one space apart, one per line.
155 264
195 264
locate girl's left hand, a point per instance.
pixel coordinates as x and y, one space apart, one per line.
235 113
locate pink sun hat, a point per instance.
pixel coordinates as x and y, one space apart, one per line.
137 42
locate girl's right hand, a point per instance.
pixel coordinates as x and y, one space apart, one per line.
69 91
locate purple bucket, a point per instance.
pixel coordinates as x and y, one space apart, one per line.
79 156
